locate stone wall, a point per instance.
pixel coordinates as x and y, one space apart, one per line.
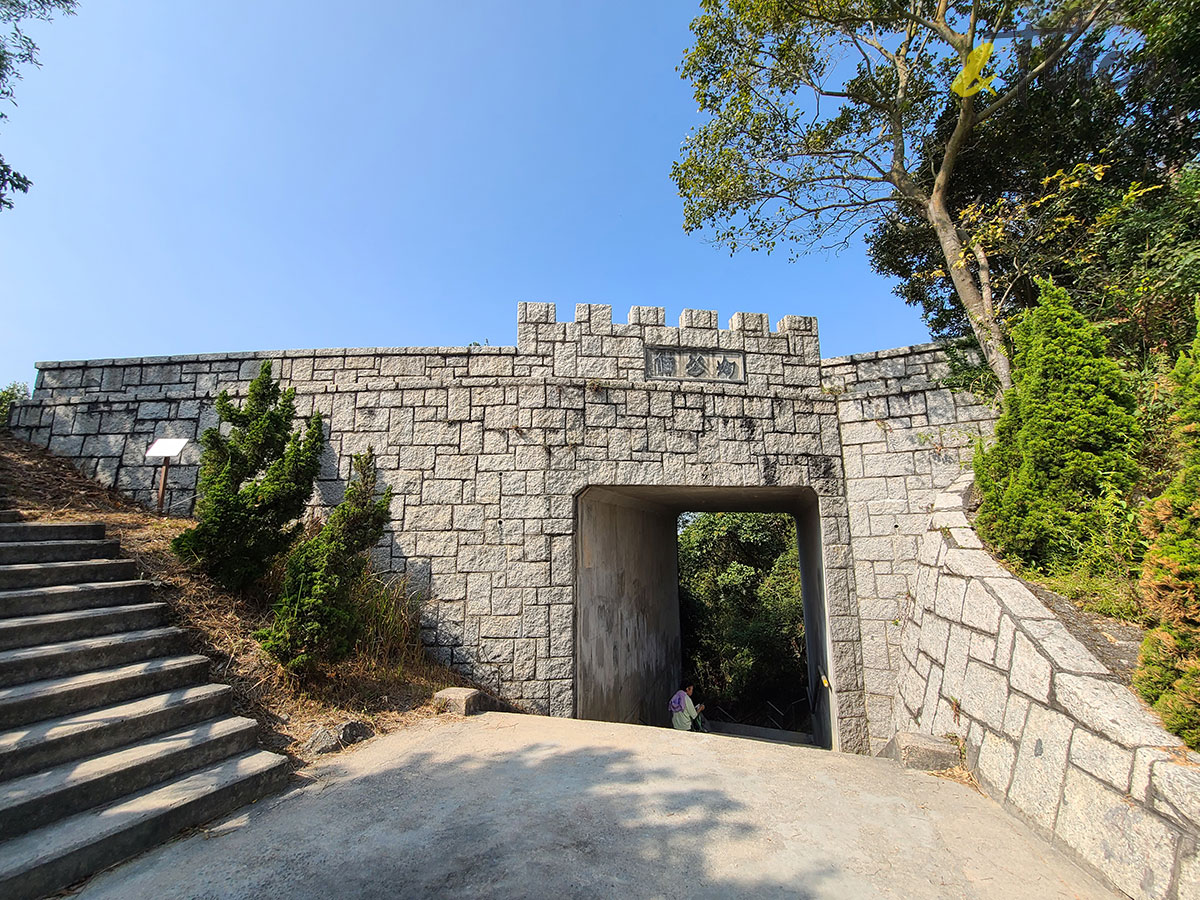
1049 731
904 438
487 449
628 651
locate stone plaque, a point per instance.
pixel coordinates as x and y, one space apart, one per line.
692 364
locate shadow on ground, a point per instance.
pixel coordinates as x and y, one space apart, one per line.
517 806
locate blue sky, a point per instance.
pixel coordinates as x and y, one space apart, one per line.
261 175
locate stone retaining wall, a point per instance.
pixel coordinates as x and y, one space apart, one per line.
905 437
1049 731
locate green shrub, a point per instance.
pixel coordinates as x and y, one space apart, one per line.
1168 673
315 621
1180 706
1160 663
1056 479
1170 580
252 485
14 393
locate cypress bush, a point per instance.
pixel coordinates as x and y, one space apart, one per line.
252 485
315 620
1065 447
1169 668
1170 582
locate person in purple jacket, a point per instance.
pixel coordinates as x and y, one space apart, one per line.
684 714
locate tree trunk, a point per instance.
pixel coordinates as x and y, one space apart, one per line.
979 310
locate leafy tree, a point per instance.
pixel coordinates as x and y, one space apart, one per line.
1126 104
742 610
16 49
1066 441
884 74
315 620
252 485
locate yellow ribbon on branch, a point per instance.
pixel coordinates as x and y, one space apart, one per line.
970 80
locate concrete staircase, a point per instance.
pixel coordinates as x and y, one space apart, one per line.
111 741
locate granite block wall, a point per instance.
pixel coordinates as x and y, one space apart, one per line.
905 437
487 449
1048 730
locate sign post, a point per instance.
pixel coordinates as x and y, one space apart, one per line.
164 449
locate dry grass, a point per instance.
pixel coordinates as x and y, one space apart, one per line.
962 775
387 689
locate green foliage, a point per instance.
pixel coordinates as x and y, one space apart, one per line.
1114 100
742 611
14 393
1139 269
252 485
1160 662
1056 480
16 50
1180 706
1171 568
315 621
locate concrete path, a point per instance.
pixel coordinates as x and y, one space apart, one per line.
521 806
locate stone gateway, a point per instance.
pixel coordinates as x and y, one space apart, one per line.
537 486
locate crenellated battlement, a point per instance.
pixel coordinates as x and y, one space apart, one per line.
599 315
594 346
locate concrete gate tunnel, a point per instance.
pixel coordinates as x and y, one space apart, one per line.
627 622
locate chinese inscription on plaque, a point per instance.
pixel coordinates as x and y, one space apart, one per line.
691 364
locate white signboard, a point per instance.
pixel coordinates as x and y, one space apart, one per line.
166 447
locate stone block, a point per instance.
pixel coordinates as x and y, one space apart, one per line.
934 634
995 763
1017 598
915 750
1102 759
948 602
463 701
1004 642
1030 671
1176 793
1110 710
1134 848
983 648
1066 652
973 564
1041 765
1015 712
980 609
984 694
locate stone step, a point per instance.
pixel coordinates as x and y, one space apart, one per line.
50 858
51 531
78 735
66 597
40 798
54 660
40 700
33 575
9 515
30 631
14 552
